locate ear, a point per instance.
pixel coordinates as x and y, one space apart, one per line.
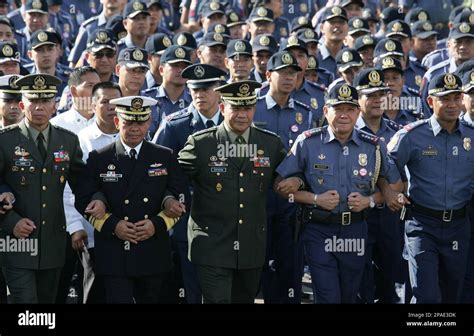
221 108
30 54
21 105
117 69
116 122
325 110
86 56
125 23
161 68
268 75
73 90
430 101
226 62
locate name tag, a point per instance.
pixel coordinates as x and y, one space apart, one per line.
23 162
110 177
321 167
218 169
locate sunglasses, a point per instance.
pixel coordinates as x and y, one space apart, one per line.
108 54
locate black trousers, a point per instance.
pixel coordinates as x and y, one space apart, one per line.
227 285
145 289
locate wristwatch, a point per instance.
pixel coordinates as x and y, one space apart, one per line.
372 202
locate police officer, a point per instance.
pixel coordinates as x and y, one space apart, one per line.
263 47
261 21
10 96
137 179
212 12
156 45
38 159
341 166
185 39
438 155
236 25
358 27
365 45
349 63
282 24
227 240
211 50
9 58
239 60
424 41
136 21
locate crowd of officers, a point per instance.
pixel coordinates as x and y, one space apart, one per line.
212 151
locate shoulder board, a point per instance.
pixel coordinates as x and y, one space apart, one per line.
260 97
151 89
439 66
264 131
20 33
413 91
9 128
393 125
297 102
317 86
178 115
312 132
59 128
90 20
434 52
466 123
411 126
205 131
367 137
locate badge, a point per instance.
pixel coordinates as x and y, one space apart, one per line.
218 169
294 128
314 103
320 180
363 172
15 168
23 181
218 187
363 159
61 156
110 176
321 156
467 144
262 162
213 158
61 179
355 172
20 151
430 151
110 167
303 7
299 117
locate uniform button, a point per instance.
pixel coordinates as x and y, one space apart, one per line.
241 221
241 174
241 189
44 170
22 169
126 201
125 218
146 216
206 228
43 222
145 200
262 174
241 205
44 188
44 205
218 174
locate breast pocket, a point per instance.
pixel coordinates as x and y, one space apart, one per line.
425 163
60 167
322 175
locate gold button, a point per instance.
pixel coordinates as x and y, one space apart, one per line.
44 187
206 228
44 205
127 201
22 169
43 222
241 221
241 189
241 205
218 174
44 170
145 200
125 218
262 174
146 216
241 174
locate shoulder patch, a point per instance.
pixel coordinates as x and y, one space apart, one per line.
317 86
413 91
297 102
313 132
205 131
393 125
178 115
466 123
89 21
411 126
265 131
367 137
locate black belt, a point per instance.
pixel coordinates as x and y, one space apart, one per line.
444 215
343 218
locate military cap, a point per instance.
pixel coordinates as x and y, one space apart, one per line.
239 93
134 108
444 84
417 14
115 25
369 15
153 3
348 2
38 86
101 39
133 57
212 39
185 39
467 81
389 63
282 59
203 75
238 47
423 29
333 12
308 35
265 42
43 37
455 11
211 8
7 21
234 19
8 87
134 8
261 14
293 42
175 54
219 28
464 16
388 47
369 80
398 27
364 41
313 63
300 22
157 43
390 14
348 58
54 2
9 52
38 6
358 24
461 30
342 93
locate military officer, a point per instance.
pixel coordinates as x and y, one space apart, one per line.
227 240
438 155
137 179
341 166
36 161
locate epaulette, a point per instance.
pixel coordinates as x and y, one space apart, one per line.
89 21
205 131
393 125
151 89
178 115
19 33
409 127
263 89
466 123
413 91
312 132
265 131
428 55
367 137
9 128
260 97
297 102
63 129
317 86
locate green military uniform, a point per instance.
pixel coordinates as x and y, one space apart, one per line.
38 186
227 224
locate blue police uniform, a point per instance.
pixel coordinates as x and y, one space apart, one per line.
63 23
125 42
312 95
150 82
326 61
22 44
165 106
336 276
81 10
325 78
441 167
282 28
435 57
294 8
171 17
16 18
414 75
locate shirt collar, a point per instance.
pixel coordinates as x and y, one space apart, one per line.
97 133
160 92
34 132
271 102
204 119
467 117
436 127
127 148
330 136
233 136
324 52
101 19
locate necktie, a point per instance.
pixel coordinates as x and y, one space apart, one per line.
133 154
210 124
240 141
41 147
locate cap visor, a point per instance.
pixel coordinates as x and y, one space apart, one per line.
214 12
133 14
36 11
261 19
43 43
286 66
461 35
239 53
358 30
200 85
101 47
349 65
372 90
214 43
426 34
266 48
397 33
133 65
4 95
335 16
444 93
233 24
8 59
179 61
468 88
343 102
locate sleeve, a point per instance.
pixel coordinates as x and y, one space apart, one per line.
399 149
73 218
388 169
9 220
166 136
187 158
79 45
76 166
295 162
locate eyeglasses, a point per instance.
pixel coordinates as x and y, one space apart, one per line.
108 54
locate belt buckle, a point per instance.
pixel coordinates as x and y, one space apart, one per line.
346 218
447 215
380 206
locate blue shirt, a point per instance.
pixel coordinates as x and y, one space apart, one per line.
435 57
414 75
294 8
312 95
325 78
326 61
441 165
282 28
165 106
87 27
329 165
288 122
